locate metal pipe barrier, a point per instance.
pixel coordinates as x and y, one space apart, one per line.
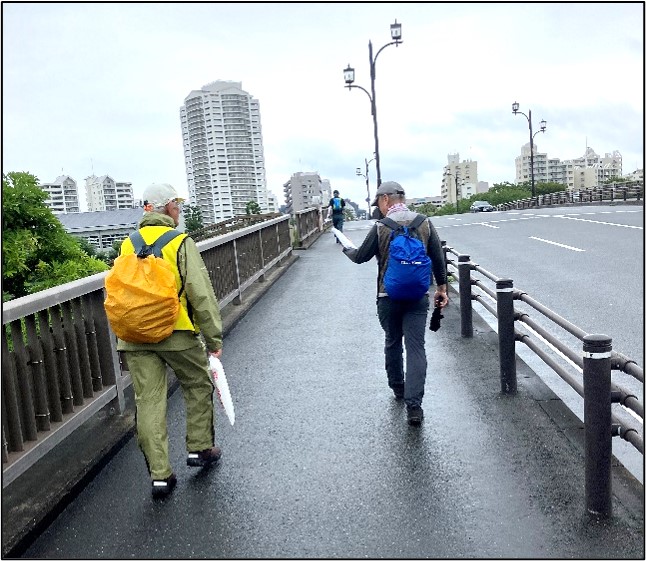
591 378
60 365
628 191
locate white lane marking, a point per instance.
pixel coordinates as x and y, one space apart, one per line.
489 225
607 223
555 243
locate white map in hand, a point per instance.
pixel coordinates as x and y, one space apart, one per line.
345 241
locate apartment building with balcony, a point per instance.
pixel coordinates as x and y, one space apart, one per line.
223 150
104 193
585 172
306 190
62 195
459 179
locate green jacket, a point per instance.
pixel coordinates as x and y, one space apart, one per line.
200 294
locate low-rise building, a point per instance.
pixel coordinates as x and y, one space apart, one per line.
102 228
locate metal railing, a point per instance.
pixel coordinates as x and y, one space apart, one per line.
308 224
59 360
630 191
587 371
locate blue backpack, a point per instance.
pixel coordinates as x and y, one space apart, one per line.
336 202
408 275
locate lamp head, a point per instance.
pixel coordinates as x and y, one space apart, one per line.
543 125
348 75
514 107
396 31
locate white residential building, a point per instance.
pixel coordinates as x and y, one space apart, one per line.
580 173
306 190
104 193
459 179
223 151
62 195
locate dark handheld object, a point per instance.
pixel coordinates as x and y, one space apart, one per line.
435 319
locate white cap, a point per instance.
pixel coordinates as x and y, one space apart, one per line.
160 194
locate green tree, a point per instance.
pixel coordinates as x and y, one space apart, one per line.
253 208
192 218
37 252
614 179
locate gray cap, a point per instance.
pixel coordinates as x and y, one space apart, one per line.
388 188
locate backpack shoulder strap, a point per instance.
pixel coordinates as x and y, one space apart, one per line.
162 240
390 223
419 220
137 241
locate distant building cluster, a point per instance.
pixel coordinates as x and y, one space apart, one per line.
585 172
305 190
102 193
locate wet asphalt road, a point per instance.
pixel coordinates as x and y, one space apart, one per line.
321 462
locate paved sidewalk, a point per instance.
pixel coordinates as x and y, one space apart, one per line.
322 464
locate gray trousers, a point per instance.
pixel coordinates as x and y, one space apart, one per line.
404 323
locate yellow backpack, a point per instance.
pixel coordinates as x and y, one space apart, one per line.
142 302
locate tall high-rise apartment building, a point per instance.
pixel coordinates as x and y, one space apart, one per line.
104 193
459 179
223 150
62 195
580 173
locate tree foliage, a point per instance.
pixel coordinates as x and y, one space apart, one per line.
192 218
253 207
498 194
37 252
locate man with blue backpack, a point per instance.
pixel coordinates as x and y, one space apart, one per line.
337 204
409 254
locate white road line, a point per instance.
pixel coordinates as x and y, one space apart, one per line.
555 243
489 225
607 223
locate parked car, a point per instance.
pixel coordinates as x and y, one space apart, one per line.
481 206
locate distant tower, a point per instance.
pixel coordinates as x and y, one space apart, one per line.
223 151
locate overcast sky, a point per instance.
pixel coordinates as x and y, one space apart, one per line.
90 87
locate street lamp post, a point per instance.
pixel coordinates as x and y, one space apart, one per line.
348 75
367 182
543 124
456 177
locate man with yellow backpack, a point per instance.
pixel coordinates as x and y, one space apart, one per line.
172 328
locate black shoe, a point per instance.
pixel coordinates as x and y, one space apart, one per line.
164 487
204 458
398 390
415 415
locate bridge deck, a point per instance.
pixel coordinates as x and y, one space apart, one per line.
321 462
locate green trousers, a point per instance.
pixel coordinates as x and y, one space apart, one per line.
149 378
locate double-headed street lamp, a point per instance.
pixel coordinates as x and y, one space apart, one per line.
348 75
543 124
367 182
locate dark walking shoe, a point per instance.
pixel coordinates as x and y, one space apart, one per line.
164 487
204 458
398 390
415 415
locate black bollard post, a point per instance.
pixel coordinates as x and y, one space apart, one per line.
506 335
597 350
466 309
